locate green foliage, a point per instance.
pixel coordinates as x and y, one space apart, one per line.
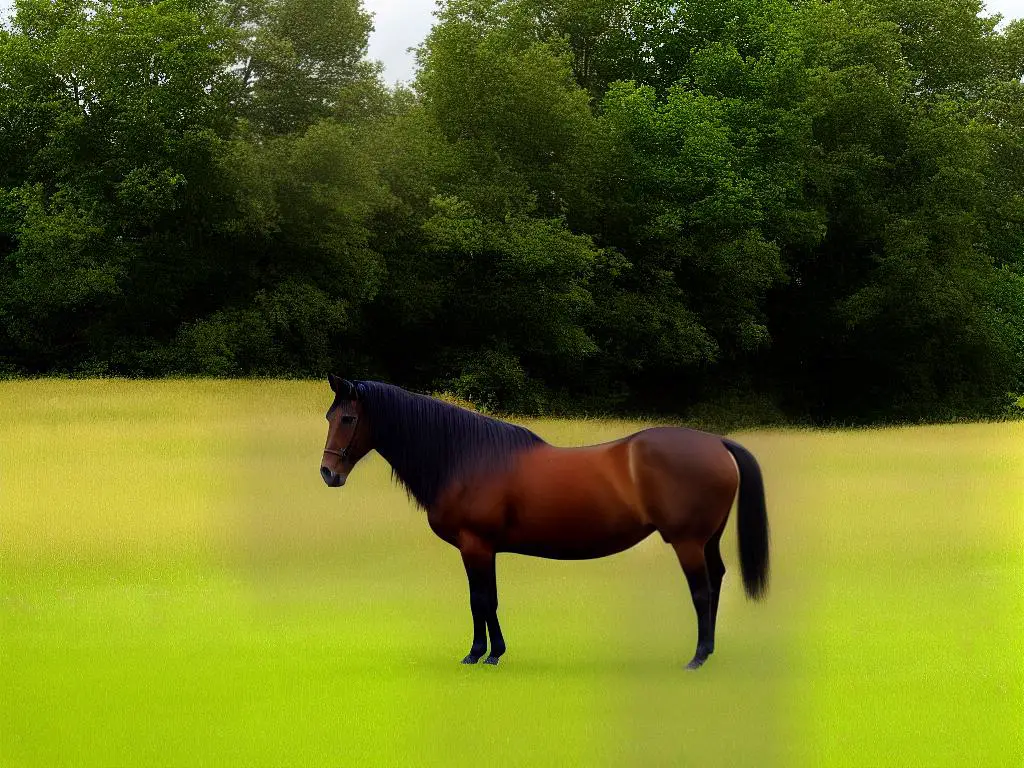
310 195
115 110
736 410
494 380
290 328
300 61
915 175
1015 408
451 397
812 210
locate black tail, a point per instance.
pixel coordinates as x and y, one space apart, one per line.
752 524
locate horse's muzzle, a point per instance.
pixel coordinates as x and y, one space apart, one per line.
332 479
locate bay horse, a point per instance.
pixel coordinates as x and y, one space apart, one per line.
489 486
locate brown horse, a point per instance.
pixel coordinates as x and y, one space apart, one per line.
489 486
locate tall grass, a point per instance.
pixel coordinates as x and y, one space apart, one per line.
178 587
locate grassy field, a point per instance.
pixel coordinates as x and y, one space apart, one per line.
179 588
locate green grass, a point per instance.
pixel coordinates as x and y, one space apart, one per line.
178 588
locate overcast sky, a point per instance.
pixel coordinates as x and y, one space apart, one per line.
401 24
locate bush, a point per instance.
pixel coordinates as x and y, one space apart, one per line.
453 399
494 381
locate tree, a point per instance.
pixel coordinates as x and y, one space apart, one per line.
300 61
633 204
901 310
114 115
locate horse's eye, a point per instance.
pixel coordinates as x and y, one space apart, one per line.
347 419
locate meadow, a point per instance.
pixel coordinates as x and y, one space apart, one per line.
179 588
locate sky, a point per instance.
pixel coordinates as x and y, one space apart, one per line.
402 24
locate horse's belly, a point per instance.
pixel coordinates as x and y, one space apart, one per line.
575 548
563 530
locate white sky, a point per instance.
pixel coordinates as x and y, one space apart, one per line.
399 25
402 24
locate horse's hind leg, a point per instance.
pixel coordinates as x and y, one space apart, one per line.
691 557
716 571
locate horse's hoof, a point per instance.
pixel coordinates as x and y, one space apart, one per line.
697 662
493 660
471 659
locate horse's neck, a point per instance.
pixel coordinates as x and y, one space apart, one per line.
421 465
417 450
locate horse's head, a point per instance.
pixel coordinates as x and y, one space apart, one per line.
348 433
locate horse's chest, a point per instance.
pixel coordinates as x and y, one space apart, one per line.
475 506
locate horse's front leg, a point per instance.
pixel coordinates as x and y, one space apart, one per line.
478 557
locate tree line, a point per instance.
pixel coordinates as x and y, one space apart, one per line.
801 209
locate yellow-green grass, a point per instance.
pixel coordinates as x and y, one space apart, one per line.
178 587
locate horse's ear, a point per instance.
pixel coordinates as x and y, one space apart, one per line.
343 387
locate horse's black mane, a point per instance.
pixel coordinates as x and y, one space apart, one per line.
431 444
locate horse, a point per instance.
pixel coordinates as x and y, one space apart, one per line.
489 486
